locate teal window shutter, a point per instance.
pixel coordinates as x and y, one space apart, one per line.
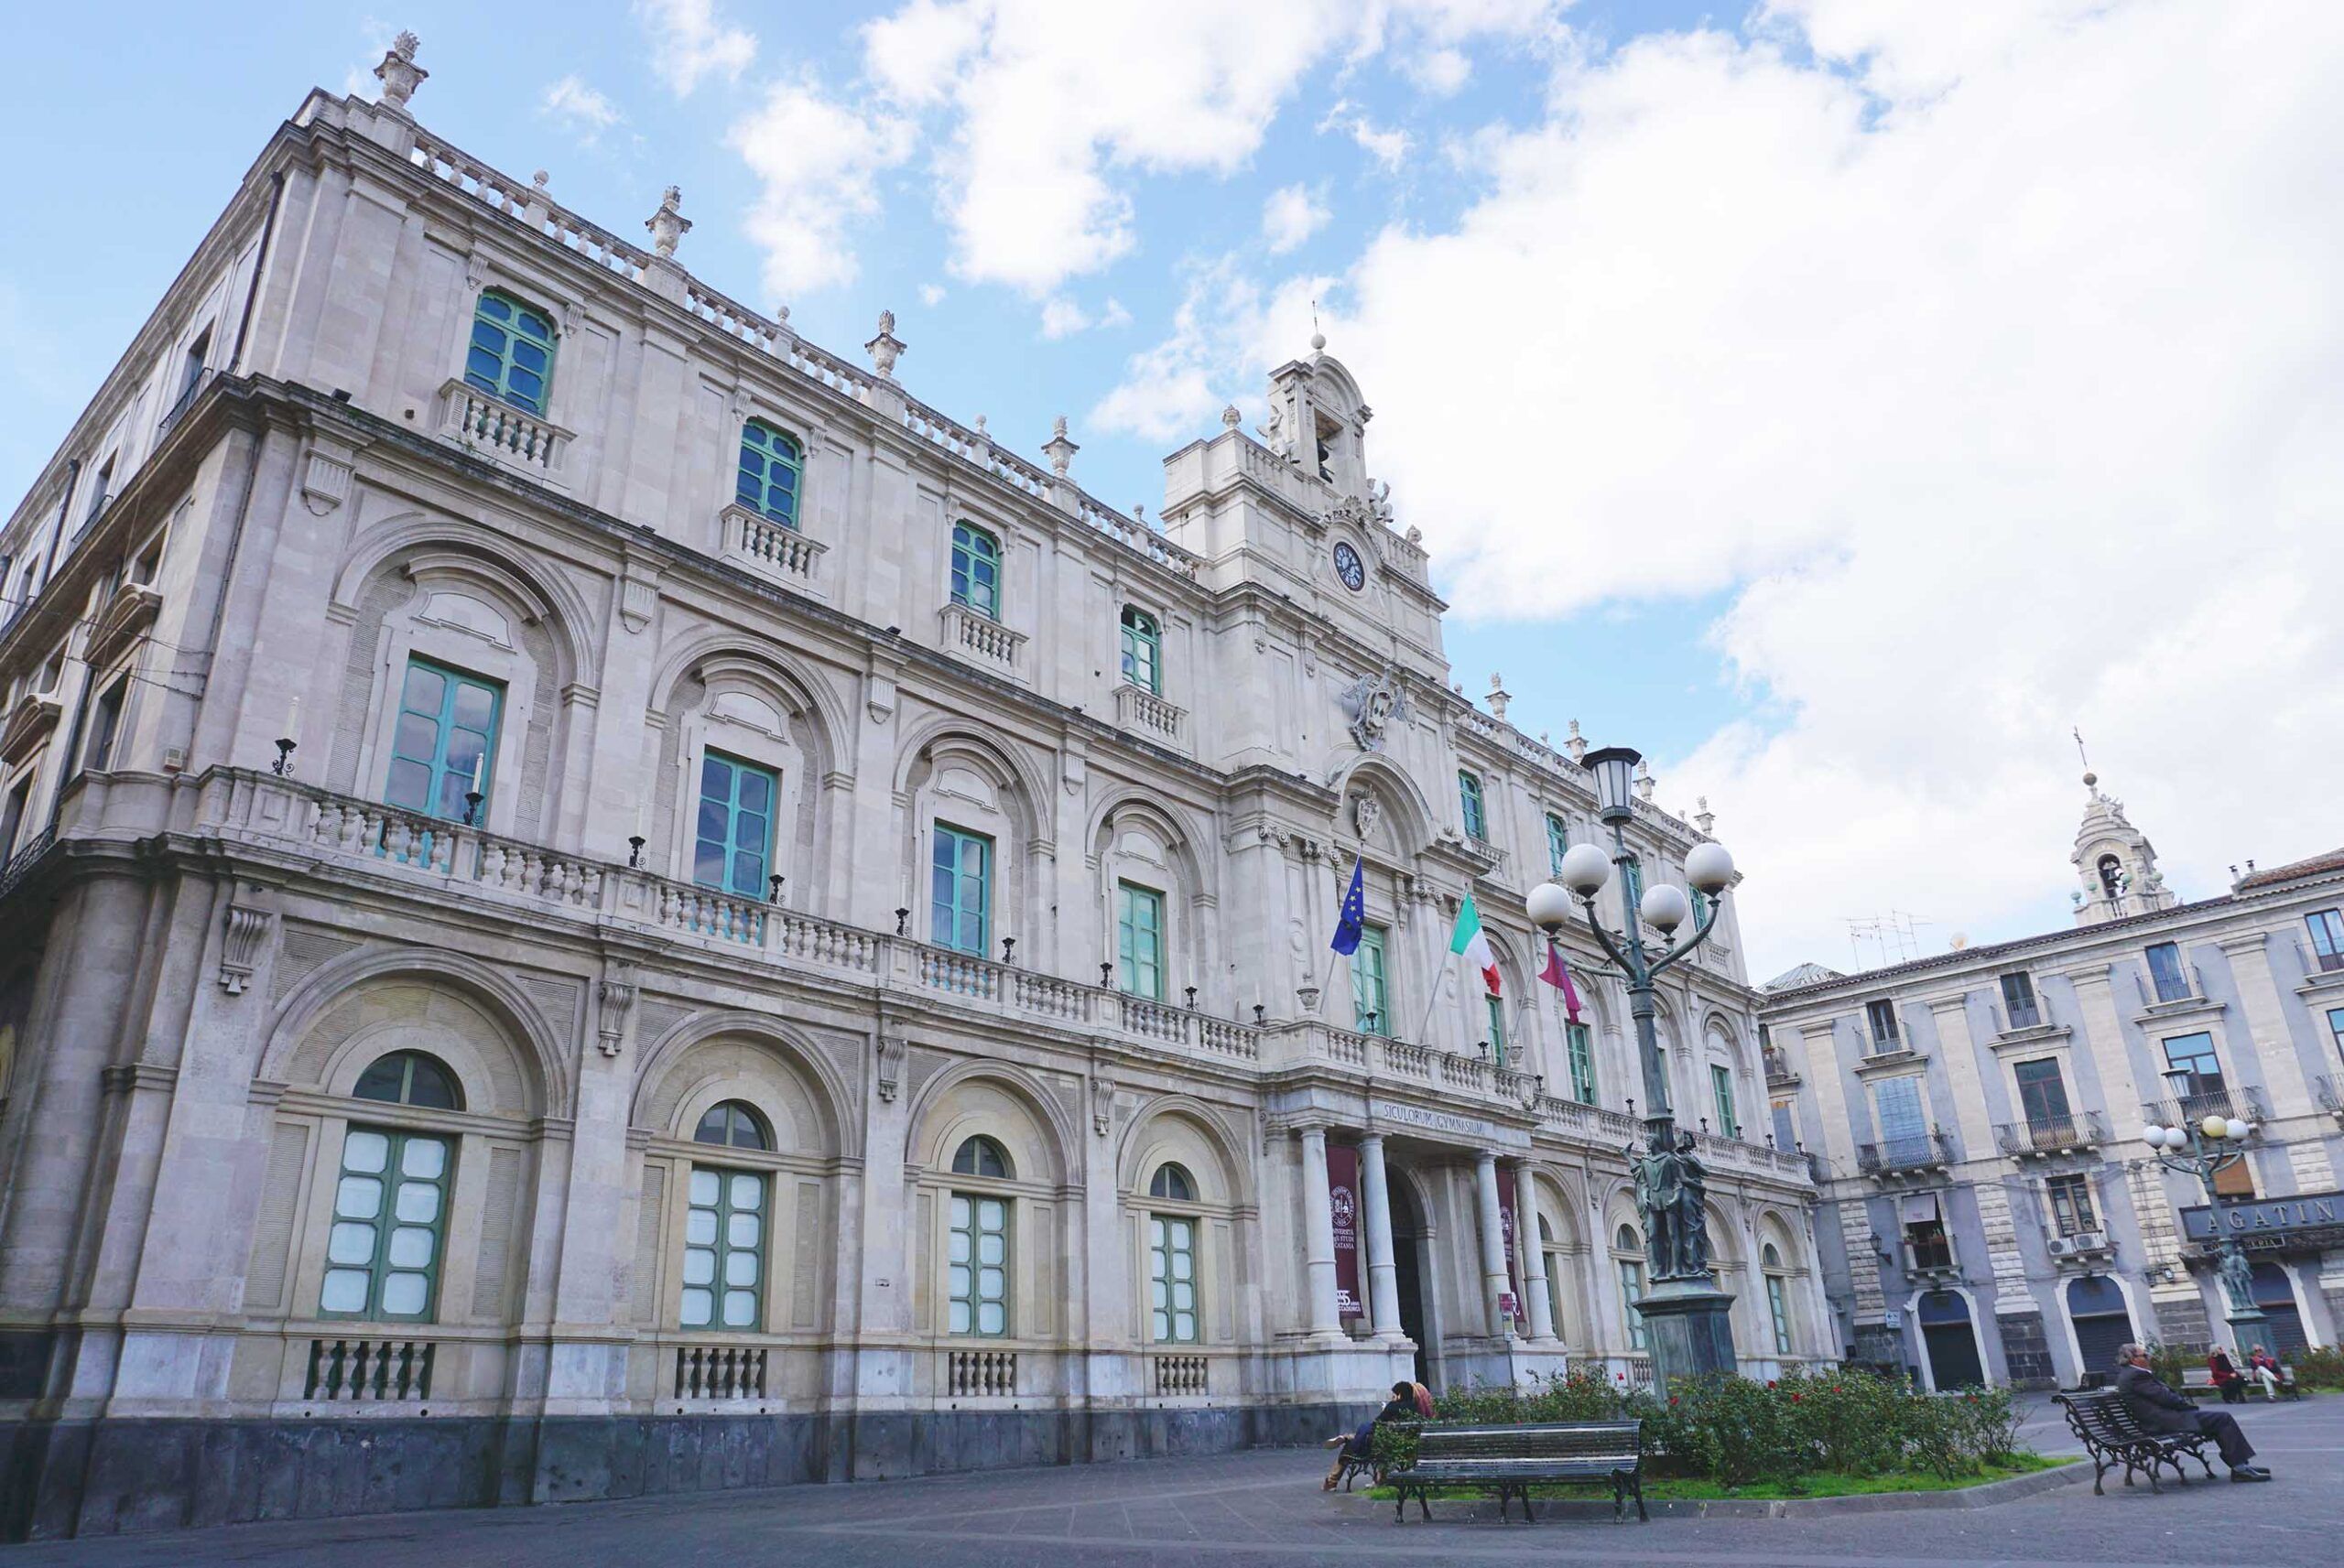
1143 650
1497 1027
1371 993
446 728
1469 795
1559 843
960 891
770 469
1581 1042
1139 940
511 355
390 1207
976 571
977 1266
1721 1087
732 832
1172 1279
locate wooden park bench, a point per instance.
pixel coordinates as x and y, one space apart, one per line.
2114 1436
1355 1465
1510 1460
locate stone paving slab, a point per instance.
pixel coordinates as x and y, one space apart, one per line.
1240 1510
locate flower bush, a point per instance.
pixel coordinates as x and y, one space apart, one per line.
1737 1431
2322 1368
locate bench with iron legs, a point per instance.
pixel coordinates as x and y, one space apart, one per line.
2199 1380
1354 1466
2114 1436
1510 1460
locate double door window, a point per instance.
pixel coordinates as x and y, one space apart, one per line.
443 745
1139 940
390 1208
732 832
960 891
1371 990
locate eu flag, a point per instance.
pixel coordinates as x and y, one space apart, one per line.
1354 917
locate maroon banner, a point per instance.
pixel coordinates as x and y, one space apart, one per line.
1343 1197
1507 1230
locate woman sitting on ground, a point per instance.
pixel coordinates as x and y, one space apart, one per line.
1361 1444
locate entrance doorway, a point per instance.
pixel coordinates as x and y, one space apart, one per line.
1408 1240
1949 1340
2096 1306
2282 1322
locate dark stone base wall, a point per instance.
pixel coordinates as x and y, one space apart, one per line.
2026 1351
106 1477
2184 1325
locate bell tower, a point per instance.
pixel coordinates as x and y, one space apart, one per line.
2115 862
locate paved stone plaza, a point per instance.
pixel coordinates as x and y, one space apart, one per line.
1265 1508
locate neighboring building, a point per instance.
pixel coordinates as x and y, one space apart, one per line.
787 942
1988 1209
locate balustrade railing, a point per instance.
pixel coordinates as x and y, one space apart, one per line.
719 1372
369 1371
2051 1134
980 1374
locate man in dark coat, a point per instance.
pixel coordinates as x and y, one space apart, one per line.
2159 1408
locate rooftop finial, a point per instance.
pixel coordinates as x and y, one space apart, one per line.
886 348
398 73
1231 419
1061 447
1318 338
2091 780
669 224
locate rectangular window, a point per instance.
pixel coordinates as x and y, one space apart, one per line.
12 817
732 834
511 354
1559 843
1172 1279
1469 798
1371 994
1143 650
976 571
2166 973
1785 1127
960 891
978 1266
2235 1180
2042 1095
2326 938
1721 1089
105 726
1139 940
1780 1312
724 1250
100 494
2336 1027
1632 1291
1931 1248
2018 1002
2193 1055
389 1218
1497 1027
1882 1016
444 748
2071 1209
1904 1128
191 365
1580 1041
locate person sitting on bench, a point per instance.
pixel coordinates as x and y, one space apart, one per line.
1361 1444
2159 1408
2228 1382
2265 1367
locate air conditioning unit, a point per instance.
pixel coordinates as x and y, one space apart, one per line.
2080 1243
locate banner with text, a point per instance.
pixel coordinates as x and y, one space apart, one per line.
1343 1197
1506 1231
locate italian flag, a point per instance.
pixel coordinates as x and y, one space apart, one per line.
1470 939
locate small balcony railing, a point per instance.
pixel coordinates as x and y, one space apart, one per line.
1920 1152
2244 1102
2051 1134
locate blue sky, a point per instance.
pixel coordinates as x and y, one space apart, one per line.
1767 383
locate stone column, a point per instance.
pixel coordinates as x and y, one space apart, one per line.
1494 1277
1318 1235
1534 1256
1382 1275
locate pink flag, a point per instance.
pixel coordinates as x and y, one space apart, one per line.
1555 975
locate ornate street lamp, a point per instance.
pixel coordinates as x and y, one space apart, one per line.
1686 1315
2202 1149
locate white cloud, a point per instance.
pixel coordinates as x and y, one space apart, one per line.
1213 357
1387 145
818 163
1062 318
1439 71
582 110
689 42
1291 215
931 294
1987 358
1048 106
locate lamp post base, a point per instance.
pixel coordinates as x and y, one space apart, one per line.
1689 1325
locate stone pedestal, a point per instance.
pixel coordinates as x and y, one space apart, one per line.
1688 1327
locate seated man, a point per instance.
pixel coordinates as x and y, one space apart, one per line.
2159 1408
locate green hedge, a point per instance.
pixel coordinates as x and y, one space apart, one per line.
1736 1431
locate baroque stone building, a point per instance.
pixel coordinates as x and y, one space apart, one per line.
1988 1208
599 901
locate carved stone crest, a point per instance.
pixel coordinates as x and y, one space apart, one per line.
1370 704
1367 811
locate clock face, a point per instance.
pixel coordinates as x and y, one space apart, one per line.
1350 568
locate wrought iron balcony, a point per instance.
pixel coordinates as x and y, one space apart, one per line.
2051 1134
1921 1152
2245 1102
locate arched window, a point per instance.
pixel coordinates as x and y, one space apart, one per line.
1628 1257
390 1203
1173 1182
512 351
733 1125
976 571
770 467
1172 1261
977 1260
1769 1262
1143 650
1468 800
409 1077
980 1156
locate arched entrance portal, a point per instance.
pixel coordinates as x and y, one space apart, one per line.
2096 1306
1949 1341
1411 1247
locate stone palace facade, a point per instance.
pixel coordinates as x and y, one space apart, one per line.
788 942
1988 1207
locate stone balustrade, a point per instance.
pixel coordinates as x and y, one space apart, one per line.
769 549
480 422
981 639
1139 708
